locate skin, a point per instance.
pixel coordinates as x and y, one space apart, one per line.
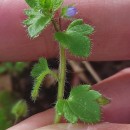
117 113
110 42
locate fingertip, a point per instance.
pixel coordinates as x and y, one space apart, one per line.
64 126
102 126
117 89
38 120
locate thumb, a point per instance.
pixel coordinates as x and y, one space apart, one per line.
102 126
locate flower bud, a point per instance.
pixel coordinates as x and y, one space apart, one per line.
71 11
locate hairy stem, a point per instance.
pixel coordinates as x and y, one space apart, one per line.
62 74
61 83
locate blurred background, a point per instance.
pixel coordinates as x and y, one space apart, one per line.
16 85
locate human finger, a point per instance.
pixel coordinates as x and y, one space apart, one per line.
110 40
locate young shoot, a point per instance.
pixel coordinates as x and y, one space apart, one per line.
83 103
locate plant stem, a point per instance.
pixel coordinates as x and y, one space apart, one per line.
61 83
61 75
55 75
56 27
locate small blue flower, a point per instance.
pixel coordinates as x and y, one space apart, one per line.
71 11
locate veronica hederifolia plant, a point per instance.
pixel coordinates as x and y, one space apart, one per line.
83 103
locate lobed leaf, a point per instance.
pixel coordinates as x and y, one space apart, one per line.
77 44
81 104
37 23
40 15
37 18
76 39
39 71
57 4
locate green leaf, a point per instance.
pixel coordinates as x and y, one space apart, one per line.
39 71
40 15
79 90
75 23
39 4
56 4
60 106
40 67
81 104
84 29
87 108
37 85
36 22
38 25
20 109
74 38
31 3
79 27
77 44
103 101
47 5
31 12
68 114
86 111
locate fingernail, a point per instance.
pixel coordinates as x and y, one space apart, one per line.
65 126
